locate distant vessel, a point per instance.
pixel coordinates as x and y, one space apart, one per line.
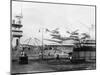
84 52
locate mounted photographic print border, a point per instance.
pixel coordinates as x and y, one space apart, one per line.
52 37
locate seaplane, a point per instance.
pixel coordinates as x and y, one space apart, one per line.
58 38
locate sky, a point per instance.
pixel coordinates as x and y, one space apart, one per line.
40 16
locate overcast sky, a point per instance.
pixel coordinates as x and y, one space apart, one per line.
65 17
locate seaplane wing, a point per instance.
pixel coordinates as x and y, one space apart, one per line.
55 31
73 33
54 36
58 37
53 40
